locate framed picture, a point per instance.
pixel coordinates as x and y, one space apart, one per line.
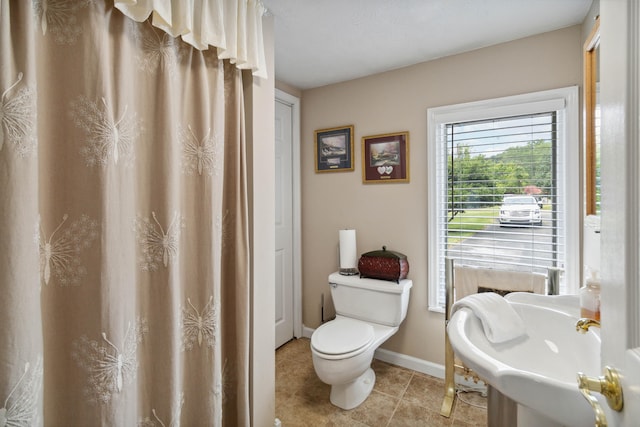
385 158
334 149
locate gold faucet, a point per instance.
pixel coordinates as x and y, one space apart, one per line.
583 324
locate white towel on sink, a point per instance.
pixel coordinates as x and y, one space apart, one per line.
500 321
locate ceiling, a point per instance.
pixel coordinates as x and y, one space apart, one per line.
320 42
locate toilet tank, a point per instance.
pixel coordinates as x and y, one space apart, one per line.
378 301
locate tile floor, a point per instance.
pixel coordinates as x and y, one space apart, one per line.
401 397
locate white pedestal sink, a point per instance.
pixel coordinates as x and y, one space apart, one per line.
538 371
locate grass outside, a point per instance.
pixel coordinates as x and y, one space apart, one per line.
467 223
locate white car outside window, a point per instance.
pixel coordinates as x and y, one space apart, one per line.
520 210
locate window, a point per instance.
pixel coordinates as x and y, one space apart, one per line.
503 187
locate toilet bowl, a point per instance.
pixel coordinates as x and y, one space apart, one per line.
368 311
342 351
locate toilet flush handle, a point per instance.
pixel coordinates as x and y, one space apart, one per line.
333 285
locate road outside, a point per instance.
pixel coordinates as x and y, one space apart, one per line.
508 244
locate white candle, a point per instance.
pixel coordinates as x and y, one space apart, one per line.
348 253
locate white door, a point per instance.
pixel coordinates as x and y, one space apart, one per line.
284 245
620 238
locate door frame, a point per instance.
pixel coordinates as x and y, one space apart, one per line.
294 103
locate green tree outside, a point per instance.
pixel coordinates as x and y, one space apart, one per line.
478 181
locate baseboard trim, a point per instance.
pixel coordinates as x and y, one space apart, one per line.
410 362
426 367
306 331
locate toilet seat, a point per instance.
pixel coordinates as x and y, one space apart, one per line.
342 336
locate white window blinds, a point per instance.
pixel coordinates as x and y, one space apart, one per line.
501 190
492 165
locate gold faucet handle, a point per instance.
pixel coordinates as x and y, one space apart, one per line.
583 324
608 385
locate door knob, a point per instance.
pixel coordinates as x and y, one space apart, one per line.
608 385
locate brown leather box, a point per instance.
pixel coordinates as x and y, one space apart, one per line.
384 265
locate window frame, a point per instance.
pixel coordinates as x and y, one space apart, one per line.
566 99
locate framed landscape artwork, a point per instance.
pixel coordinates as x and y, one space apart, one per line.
334 149
385 158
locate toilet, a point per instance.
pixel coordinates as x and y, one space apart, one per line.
368 312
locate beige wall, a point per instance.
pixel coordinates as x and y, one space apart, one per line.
395 215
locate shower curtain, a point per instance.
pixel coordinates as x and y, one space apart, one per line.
124 285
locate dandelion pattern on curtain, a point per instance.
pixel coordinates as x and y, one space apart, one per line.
108 366
108 136
200 154
61 251
17 116
21 405
124 253
158 247
199 325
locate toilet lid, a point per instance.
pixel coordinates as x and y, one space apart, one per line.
342 335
